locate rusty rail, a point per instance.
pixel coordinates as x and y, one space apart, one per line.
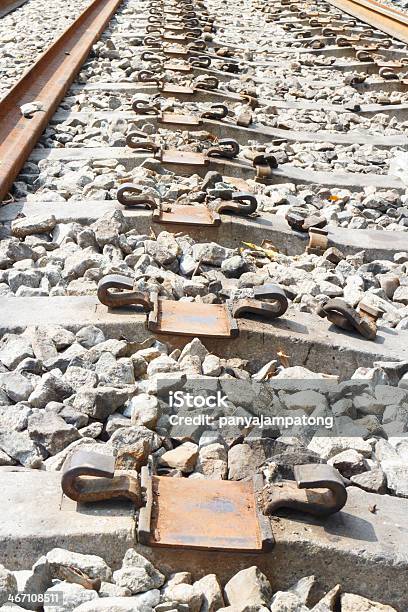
384 18
46 83
6 6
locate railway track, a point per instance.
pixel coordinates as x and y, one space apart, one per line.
187 200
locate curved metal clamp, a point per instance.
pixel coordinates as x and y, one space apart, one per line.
130 196
243 203
133 141
77 484
197 45
126 296
255 305
200 61
226 147
143 107
148 76
152 41
341 314
217 112
208 82
319 490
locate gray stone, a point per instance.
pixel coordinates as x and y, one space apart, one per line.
329 447
212 462
13 349
144 410
90 336
73 596
8 585
307 401
210 589
137 574
116 421
99 403
373 481
108 228
349 463
249 586
35 224
183 593
355 603
92 565
396 473
35 581
211 253
182 457
114 604
113 590
19 446
78 378
17 386
51 388
211 365
51 432
195 348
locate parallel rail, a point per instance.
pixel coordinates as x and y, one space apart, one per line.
384 18
46 83
7 6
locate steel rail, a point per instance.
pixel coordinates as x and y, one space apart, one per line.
46 83
384 18
7 6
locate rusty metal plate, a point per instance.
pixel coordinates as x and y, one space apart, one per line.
177 89
192 319
174 37
187 215
172 156
177 67
211 515
178 119
175 52
174 28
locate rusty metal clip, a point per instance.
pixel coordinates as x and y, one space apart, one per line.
133 141
126 297
76 576
131 196
208 82
202 61
152 41
364 56
217 111
148 56
143 107
243 307
197 45
388 73
341 314
242 204
104 486
148 76
319 490
226 147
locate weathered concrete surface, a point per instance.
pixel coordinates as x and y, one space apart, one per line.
35 518
258 132
231 232
366 552
239 168
396 110
307 339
